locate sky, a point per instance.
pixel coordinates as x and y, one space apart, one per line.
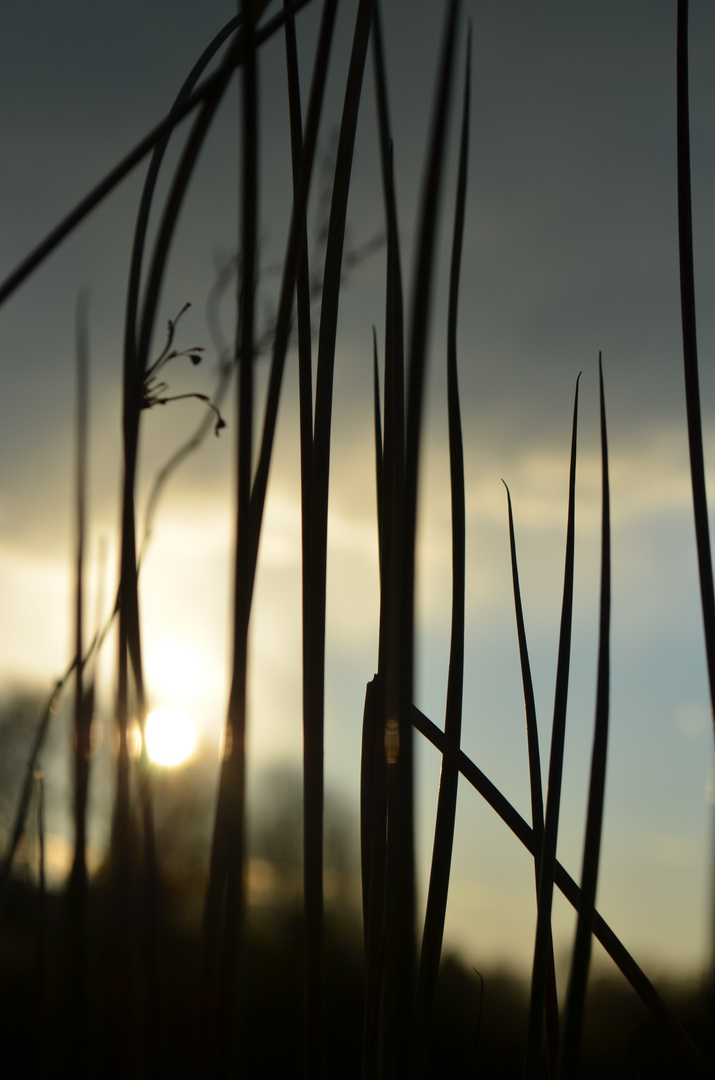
570 247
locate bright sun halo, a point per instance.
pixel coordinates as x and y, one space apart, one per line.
170 736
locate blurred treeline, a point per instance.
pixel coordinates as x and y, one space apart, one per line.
480 1018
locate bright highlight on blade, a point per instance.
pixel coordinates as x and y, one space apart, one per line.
170 736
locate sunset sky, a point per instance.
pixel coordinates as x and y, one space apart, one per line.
570 248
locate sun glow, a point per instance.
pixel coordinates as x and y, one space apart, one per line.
170 736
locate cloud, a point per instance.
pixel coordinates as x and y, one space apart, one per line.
692 718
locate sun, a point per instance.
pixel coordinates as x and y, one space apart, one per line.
170 736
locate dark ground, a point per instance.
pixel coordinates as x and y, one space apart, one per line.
37 987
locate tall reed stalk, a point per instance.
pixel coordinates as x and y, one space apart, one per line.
314 671
447 801
551 1004
692 403
543 943
576 999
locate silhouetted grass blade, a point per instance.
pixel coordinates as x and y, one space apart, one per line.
394 313
82 720
212 913
212 916
690 354
225 898
128 163
373 825
26 789
39 782
447 800
532 734
382 108
400 957
315 667
132 304
235 759
391 463
305 346
551 1005
290 272
474 1064
172 207
74 1003
553 798
378 439
569 1053
566 884
692 394
137 343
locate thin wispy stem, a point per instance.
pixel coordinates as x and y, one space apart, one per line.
82 721
225 899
